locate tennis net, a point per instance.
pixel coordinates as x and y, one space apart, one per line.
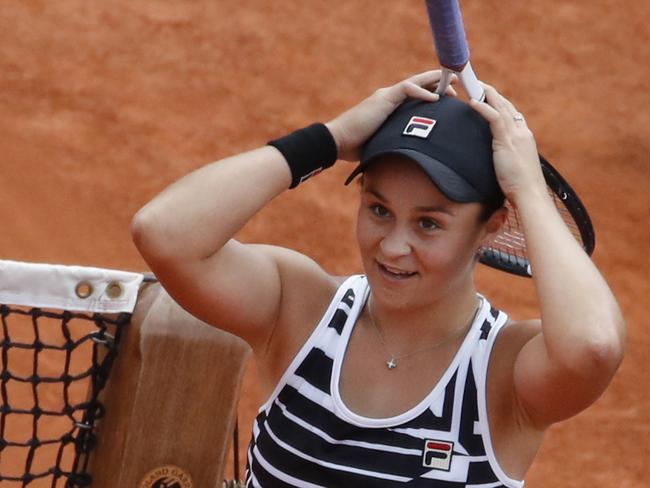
61 326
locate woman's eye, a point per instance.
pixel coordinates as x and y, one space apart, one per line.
379 210
428 224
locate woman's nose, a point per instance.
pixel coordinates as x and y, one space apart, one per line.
395 243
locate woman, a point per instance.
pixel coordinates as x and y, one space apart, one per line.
405 374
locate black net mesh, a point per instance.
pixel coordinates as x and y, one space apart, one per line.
54 365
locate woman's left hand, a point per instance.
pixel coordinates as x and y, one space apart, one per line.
516 160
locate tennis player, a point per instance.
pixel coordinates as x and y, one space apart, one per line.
405 374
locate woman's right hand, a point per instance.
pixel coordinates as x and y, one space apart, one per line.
352 128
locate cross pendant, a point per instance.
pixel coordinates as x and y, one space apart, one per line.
391 364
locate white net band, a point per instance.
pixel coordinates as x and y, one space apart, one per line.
74 288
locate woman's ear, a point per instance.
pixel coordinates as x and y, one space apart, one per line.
496 221
491 227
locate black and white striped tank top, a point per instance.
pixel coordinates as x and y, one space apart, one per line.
305 436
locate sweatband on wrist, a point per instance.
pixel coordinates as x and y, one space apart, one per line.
308 151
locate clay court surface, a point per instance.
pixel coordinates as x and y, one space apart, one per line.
103 104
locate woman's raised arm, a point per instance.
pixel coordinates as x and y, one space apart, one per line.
186 233
580 340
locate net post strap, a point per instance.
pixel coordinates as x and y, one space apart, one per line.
172 396
72 288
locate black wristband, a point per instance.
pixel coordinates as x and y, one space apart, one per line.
308 151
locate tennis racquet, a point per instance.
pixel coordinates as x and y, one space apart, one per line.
451 47
507 251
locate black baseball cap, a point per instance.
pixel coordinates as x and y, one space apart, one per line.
448 139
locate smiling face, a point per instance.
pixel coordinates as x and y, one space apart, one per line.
416 245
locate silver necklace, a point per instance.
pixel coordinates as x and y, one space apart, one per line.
392 362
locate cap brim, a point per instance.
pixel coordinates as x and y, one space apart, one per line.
448 181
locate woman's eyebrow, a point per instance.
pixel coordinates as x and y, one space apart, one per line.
376 194
435 208
421 208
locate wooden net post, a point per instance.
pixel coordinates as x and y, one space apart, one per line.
171 400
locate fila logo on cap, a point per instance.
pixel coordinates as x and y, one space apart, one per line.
419 127
437 454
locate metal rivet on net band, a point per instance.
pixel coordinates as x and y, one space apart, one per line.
84 289
114 289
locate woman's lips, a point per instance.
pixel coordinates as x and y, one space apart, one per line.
395 273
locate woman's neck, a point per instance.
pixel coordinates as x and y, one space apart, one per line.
442 320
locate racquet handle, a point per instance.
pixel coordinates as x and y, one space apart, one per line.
448 33
451 47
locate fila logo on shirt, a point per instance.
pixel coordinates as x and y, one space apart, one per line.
419 127
437 454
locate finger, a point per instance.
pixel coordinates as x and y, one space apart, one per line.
414 91
493 117
509 104
512 117
426 78
488 112
502 105
451 91
516 116
505 102
494 98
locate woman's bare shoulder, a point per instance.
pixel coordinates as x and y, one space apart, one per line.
307 292
514 439
512 338
517 332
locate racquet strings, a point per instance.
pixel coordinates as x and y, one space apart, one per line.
508 251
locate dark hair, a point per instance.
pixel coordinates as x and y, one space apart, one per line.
488 209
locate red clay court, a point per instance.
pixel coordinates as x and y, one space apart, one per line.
105 103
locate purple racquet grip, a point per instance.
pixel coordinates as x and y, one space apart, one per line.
448 33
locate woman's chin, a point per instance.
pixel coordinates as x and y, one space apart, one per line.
394 292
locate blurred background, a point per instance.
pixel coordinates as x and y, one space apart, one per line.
103 104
